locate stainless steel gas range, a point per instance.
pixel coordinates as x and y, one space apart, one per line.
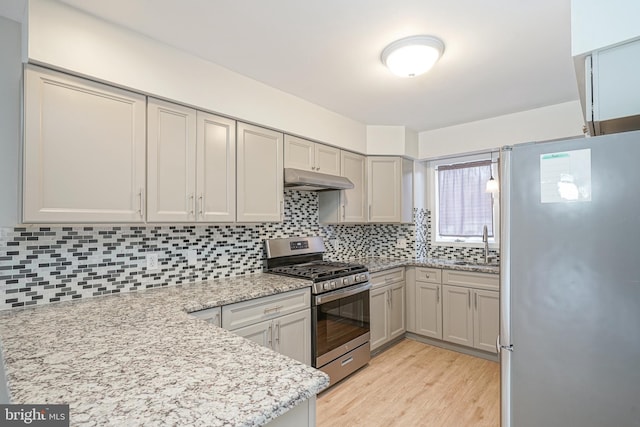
339 304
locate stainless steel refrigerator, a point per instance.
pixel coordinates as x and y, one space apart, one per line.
570 283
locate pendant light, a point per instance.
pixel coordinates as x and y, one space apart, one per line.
492 185
412 56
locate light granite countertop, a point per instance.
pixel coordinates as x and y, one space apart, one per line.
375 264
140 359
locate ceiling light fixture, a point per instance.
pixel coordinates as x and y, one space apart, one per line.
412 56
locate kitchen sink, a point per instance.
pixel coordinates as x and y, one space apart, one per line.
476 264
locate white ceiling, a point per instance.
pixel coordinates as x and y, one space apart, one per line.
501 56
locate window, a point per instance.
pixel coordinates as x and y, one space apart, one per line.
461 206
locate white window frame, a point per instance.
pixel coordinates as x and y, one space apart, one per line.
432 188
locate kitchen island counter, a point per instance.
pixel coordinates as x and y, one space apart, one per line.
140 359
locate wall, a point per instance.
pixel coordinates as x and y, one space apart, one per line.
45 264
68 39
10 84
540 124
596 24
392 140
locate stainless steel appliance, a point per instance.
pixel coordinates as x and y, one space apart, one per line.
340 328
570 282
298 179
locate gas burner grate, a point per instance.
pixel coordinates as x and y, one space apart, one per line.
317 270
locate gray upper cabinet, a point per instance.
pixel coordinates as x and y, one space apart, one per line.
190 165
390 189
260 196
347 206
307 155
215 168
171 162
84 151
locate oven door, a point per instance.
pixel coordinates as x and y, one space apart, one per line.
340 322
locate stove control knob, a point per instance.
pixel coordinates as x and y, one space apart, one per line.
360 277
345 282
333 284
325 286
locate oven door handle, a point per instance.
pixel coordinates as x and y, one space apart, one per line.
341 293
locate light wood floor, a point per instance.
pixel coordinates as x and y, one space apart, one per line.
415 384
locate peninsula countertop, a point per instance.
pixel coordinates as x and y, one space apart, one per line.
140 358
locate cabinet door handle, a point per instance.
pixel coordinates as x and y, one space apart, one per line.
469 296
192 204
218 322
369 212
475 299
438 295
278 333
344 211
141 204
282 210
273 309
201 206
269 337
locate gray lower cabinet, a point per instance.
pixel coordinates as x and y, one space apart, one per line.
460 307
289 335
387 306
429 316
486 319
280 322
457 316
471 309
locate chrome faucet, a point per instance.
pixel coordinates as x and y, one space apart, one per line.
485 239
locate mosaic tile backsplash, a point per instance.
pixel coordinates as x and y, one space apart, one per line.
40 265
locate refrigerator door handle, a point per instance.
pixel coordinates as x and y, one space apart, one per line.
500 347
505 287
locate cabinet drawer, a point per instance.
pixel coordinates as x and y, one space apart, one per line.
257 310
386 277
470 279
211 315
430 275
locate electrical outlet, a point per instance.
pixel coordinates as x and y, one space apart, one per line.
152 262
401 244
192 257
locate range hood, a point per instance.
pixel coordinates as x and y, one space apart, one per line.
298 179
